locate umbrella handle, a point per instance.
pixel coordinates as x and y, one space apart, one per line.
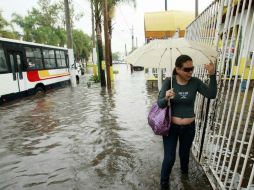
171 66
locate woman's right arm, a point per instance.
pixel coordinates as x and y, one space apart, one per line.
162 99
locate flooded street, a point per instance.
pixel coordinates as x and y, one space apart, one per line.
86 138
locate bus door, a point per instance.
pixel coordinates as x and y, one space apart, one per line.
16 63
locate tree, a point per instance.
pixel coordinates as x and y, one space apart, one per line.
3 22
82 45
98 28
112 6
116 56
46 24
42 24
5 32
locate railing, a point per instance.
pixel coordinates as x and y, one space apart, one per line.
225 126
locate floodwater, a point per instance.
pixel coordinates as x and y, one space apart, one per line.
87 138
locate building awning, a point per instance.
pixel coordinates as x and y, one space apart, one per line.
165 24
168 20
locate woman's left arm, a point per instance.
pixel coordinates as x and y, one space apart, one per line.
210 90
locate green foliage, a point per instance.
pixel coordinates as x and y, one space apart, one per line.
94 78
46 24
82 45
3 22
5 32
114 3
115 71
116 56
42 24
8 34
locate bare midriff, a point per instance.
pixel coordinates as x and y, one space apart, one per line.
182 121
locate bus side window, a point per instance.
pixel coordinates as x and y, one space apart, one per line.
34 59
37 58
60 58
49 59
30 63
3 64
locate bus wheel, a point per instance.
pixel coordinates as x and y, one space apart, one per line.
38 91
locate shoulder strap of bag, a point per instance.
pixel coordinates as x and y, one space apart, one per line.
169 79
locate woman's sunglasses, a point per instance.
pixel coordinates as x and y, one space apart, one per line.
187 69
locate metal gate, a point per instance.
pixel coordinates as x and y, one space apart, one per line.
225 126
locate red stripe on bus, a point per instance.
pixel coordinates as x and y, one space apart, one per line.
33 76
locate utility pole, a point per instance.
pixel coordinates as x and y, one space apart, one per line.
94 52
106 35
68 25
196 8
159 70
70 43
132 38
93 36
125 47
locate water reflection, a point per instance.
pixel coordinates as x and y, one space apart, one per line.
86 138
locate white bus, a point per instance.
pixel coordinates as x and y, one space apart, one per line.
27 67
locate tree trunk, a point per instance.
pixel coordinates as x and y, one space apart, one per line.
99 46
110 36
100 56
68 25
106 35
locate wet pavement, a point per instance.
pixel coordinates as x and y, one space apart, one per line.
87 138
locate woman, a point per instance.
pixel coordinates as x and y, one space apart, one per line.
182 97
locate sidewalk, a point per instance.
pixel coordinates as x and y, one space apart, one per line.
197 179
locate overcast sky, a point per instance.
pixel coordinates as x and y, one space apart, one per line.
125 16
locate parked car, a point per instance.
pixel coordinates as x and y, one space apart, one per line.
118 62
138 68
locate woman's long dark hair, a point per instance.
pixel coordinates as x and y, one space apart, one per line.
179 62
